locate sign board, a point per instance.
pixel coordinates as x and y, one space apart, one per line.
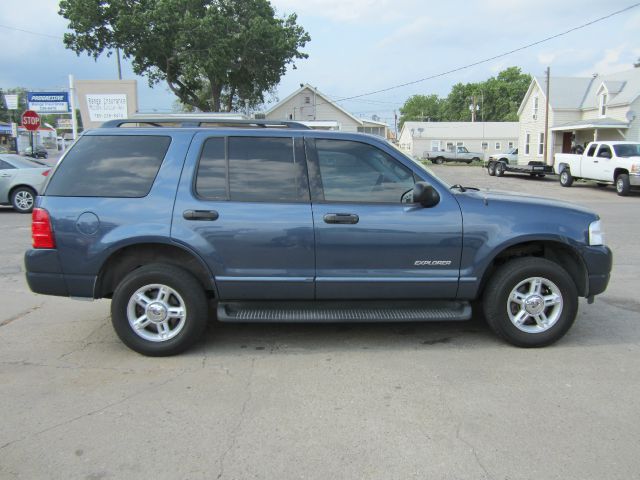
64 124
106 106
48 102
11 101
30 120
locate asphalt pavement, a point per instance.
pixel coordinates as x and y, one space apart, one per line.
377 401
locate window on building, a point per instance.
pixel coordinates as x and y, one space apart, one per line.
357 172
498 145
435 145
603 105
485 145
540 143
535 107
449 146
459 144
307 100
510 144
527 143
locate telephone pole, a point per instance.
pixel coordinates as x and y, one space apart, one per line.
546 118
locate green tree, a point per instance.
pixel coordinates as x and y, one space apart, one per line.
498 97
213 54
421 108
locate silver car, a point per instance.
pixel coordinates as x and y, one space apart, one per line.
21 180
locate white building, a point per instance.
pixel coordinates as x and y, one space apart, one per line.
417 138
580 110
310 106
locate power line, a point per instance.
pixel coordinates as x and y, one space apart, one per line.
495 57
31 32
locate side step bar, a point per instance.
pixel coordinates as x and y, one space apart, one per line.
360 311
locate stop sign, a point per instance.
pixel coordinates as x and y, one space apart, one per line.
30 120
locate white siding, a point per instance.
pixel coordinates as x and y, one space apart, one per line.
532 126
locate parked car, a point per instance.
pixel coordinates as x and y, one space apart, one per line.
20 181
40 152
290 224
510 157
459 154
607 163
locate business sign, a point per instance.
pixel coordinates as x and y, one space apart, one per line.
64 124
11 101
48 102
107 106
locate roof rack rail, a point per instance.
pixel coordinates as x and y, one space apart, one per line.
201 122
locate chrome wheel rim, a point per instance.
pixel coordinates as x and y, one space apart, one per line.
619 185
564 176
24 200
156 312
535 305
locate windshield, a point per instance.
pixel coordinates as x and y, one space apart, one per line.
627 150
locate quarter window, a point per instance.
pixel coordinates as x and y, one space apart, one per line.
110 166
357 172
592 150
5 166
211 180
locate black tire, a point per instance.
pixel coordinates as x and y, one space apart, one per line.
566 179
23 199
497 303
491 169
623 187
541 175
187 294
500 169
438 160
474 159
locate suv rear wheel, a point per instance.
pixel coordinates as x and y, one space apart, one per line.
159 310
530 302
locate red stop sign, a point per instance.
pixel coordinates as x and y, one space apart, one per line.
30 120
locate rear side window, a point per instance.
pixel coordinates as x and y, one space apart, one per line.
253 169
592 150
110 166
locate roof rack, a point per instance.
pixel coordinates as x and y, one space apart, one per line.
201 122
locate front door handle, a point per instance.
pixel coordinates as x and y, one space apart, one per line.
210 215
341 218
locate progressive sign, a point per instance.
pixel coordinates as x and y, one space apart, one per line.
48 102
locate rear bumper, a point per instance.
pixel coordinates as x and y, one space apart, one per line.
44 275
598 260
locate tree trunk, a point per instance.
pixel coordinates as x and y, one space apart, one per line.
232 93
216 92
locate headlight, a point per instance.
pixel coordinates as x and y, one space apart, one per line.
596 235
635 168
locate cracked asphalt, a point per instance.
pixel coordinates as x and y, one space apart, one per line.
377 401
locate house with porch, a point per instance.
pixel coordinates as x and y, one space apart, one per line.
581 110
310 106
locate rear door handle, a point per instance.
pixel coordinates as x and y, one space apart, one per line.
341 218
210 215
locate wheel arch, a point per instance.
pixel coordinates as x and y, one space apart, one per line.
558 252
619 171
21 185
132 256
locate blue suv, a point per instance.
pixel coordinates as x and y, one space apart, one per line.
275 222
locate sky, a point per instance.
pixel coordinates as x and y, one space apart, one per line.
360 46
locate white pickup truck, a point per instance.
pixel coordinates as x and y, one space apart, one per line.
607 163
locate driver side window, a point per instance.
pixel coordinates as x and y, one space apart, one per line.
358 172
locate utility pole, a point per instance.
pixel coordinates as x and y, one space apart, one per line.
72 101
546 118
119 66
473 108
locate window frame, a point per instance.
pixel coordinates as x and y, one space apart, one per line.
527 143
315 177
541 141
536 107
498 146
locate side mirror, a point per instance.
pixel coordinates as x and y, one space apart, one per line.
425 195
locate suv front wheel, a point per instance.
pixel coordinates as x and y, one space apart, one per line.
530 302
159 310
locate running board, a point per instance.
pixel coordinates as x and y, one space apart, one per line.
356 311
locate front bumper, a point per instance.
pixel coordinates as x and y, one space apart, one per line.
634 179
598 260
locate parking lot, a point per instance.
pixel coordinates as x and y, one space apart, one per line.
387 401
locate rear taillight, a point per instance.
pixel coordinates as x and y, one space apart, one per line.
46 173
41 232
